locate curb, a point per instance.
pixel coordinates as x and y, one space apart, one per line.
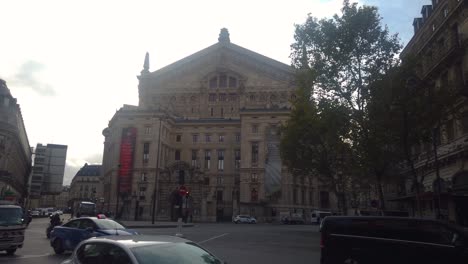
157 226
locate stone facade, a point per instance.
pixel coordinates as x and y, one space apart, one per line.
207 125
87 186
15 154
439 46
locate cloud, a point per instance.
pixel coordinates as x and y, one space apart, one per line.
27 76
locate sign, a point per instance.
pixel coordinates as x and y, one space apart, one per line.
127 147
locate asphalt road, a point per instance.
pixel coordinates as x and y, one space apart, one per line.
243 243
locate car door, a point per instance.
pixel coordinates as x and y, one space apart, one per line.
86 229
99 253
69 234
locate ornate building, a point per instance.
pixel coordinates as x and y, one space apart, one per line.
203 141
439 45
86 186
15 153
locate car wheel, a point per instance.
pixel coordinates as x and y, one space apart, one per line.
58 246
11 251
236 222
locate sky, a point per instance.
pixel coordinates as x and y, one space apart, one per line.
72 64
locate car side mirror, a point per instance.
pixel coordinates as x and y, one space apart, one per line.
89 229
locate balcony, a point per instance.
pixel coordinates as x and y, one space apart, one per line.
440 54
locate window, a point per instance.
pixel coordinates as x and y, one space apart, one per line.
311 198
178 138
211 110
195 138
147 130
102 252
177 154
254 195
232 82
324 200
254 152
254 177
194 157
181 177
143 177
449 130
446 12
252 97
207 159
220 160
214 82
219 180
433 27
255 129
222 112
208 138
303 193
212 98
222 97
232 97
221 138
219 196
237 155
222 81
237 138
146 152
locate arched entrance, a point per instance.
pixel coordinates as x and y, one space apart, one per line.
460 197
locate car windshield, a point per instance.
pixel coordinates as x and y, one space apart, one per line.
173 253
108 224
11 216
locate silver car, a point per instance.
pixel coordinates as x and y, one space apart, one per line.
244 219
140 250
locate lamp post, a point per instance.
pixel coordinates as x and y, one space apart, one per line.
156 185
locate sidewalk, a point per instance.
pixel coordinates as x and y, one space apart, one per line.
148 224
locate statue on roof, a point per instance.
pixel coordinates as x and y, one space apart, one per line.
224 36
146 64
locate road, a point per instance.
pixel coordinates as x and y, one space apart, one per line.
243 243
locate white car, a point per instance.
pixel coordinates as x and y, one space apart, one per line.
59 212
141 250
244 219
35 213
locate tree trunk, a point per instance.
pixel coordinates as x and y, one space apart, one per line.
381 194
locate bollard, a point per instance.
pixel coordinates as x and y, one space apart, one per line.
179 228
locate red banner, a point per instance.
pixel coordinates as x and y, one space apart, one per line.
127 146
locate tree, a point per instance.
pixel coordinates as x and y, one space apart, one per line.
349 54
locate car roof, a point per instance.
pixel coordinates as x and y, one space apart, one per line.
139 240
9 206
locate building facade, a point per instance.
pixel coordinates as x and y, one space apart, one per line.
87 186
47 174
439 45
203 142
15 154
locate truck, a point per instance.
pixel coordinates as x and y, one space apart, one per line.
12 227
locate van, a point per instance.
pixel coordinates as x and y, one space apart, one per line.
12 227
317 216
374 239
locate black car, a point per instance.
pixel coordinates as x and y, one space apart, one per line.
391 240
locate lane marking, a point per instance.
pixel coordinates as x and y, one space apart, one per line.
212 238
29 256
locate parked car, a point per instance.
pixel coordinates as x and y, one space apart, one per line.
59 212
141 250
69 235
35 213
244 219
374 239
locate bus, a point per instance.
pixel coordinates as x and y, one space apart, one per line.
12 227
86 209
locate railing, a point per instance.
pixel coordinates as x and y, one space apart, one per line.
439 53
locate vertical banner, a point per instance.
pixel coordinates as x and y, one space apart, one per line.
127 147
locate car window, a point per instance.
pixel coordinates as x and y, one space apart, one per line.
108 224
85 223
73 224
170 253
100 253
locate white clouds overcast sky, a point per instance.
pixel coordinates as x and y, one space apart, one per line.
72 64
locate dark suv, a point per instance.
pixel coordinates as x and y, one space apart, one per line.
391 240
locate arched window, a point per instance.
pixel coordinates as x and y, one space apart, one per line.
223 81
